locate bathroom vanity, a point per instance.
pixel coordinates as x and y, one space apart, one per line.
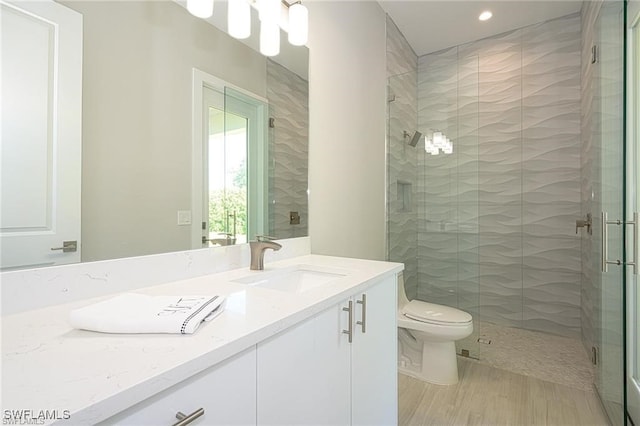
309 339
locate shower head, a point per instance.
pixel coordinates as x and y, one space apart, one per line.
414 139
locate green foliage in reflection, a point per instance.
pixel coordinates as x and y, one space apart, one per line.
222 204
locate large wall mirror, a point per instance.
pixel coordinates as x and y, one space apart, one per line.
138 61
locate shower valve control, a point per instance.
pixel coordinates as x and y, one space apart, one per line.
584 223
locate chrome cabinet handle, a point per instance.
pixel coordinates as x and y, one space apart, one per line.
349 330
183 419
67 247
363 323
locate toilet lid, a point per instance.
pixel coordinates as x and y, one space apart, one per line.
432 313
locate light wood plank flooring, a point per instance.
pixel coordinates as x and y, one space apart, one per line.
486 395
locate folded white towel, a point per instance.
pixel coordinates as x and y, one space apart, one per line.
139 313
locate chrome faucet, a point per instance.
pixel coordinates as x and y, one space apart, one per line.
257 251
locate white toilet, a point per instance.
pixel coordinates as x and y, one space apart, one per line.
426 338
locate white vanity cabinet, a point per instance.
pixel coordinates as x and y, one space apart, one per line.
374 354
226 392
312 374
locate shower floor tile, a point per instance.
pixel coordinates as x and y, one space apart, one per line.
548 357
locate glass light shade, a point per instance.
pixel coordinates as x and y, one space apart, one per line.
298 24
269 10
269 38
239 19
200 8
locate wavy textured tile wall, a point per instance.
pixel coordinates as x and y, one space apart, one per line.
288 96
402 199
504 204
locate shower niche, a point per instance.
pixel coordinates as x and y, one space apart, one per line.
404 197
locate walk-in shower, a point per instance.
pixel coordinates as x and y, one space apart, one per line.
534 124
491 226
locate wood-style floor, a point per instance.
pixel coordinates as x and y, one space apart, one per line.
488 396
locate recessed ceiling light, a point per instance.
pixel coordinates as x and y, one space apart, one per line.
485 16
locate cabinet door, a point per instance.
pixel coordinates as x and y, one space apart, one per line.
374 357
226 391
303 373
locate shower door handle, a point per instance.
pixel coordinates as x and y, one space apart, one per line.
605 243
634 223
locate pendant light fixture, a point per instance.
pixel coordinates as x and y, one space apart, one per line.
239 19
272 13
298 24
200 8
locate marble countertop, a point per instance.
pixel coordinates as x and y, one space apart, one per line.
47 365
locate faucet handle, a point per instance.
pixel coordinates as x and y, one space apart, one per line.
265 238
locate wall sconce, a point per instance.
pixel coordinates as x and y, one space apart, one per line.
438 142
274 14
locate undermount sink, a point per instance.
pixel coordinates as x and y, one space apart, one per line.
294 279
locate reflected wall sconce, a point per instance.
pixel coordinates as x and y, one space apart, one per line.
437 143
274 14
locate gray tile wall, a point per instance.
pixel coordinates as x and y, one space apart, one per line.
288 96
496 228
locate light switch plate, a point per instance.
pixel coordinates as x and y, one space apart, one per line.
184 217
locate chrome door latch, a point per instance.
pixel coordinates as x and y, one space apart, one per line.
67 247
585 223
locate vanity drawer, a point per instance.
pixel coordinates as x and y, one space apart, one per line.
226 392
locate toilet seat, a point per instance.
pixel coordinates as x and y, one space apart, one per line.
431 313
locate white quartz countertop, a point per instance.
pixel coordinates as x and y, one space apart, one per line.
47 365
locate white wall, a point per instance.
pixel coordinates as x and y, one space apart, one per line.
347 81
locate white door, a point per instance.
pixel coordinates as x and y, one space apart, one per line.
374 352
40 155
633 184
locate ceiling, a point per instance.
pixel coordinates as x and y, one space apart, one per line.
431 25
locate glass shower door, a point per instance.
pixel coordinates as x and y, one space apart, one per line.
608 200
432 193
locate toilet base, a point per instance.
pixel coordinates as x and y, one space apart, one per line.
439 363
